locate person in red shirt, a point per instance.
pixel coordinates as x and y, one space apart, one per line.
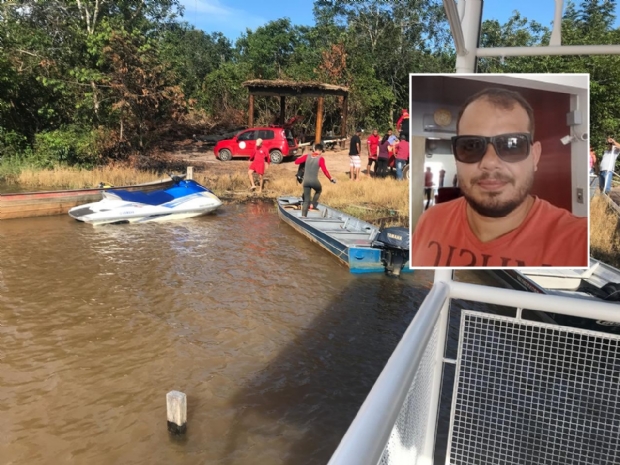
259 161
402 155
428 186
497 222
402 125
313 162
372 144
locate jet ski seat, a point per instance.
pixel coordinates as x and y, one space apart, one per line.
152 198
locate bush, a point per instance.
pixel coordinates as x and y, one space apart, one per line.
12 144
70 146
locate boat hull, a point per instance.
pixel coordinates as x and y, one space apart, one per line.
48 203
354 251
516 280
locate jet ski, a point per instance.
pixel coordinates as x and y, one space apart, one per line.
185 199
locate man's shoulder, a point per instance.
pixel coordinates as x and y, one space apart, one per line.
559 218
442 211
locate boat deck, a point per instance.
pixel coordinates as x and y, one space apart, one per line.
335 227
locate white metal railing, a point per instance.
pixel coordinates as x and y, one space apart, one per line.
409 386
366 438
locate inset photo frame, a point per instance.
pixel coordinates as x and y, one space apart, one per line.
499 170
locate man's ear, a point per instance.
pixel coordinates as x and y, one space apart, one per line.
536 151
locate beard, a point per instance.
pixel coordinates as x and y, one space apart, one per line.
490 204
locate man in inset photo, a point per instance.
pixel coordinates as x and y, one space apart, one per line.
497 222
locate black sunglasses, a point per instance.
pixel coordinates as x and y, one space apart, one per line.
510 148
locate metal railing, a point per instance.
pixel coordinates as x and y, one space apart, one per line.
397 422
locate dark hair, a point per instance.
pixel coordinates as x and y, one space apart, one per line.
403 137
318 147
499 98
385 137
358 130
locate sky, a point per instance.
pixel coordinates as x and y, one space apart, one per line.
233 17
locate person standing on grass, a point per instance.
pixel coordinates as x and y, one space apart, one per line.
383 155
372 145
354 155
259 161
313 162
402 155
608 164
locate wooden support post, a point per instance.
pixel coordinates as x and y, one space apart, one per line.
343 129
319 121
176 403
251 111
282 105
190 173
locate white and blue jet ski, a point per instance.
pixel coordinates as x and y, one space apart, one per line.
185 199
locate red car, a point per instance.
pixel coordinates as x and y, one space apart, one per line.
277 140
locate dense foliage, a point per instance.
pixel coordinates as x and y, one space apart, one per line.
86 81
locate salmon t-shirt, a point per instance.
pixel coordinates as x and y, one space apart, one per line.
549 236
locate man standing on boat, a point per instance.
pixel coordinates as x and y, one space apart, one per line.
313 162
497 222
608 165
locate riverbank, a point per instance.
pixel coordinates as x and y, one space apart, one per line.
384 202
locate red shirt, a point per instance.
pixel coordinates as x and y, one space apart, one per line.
428 179
402 150
549 236
373 143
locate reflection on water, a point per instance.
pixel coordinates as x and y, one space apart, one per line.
274 342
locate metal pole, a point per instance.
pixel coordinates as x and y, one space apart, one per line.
445 276
551 50
471 32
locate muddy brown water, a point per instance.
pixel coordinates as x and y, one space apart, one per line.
274 342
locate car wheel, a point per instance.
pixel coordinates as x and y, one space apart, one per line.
276 157
406 172
225 155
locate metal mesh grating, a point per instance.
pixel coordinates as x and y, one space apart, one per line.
534 393
409 433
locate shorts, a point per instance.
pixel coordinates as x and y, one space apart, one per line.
371 161
355 161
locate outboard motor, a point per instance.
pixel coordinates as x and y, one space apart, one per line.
394 243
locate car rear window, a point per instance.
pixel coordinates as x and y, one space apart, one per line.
266 134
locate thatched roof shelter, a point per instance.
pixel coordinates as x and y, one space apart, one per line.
281 88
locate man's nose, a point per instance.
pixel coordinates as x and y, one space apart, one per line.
490 160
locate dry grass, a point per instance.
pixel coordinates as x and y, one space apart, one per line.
71 178
380 201
604 232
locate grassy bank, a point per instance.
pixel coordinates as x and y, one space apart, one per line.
379 201
604 232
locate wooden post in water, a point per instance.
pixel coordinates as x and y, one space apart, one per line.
176 403
190 172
